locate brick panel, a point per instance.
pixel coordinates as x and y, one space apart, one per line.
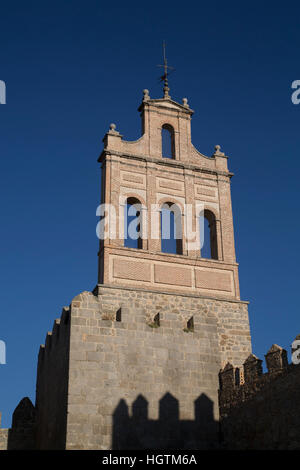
177 276
134 270
214 280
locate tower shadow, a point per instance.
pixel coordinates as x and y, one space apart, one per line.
138 432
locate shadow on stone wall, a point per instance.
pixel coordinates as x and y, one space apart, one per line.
168 432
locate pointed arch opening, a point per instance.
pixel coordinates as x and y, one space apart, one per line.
119 314
155 323
171 228
189 326
133 223
168 141
208 235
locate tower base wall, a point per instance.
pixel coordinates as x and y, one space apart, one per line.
143 367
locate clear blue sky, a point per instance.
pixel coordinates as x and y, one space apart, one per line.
72 68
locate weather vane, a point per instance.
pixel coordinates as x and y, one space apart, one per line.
164 77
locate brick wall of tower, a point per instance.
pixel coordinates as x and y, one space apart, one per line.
138 170
152 183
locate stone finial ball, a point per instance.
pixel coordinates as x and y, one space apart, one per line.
145 91
217 147
185 101
112 126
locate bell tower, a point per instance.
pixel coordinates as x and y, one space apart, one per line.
134 364
198 189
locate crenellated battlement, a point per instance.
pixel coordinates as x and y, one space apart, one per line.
238 384
254 404
55 335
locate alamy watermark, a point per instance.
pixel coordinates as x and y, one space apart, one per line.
296 351
2 352
296 94
2 92
188 222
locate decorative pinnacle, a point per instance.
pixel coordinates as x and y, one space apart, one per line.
164 77
146 95
112 129
217 151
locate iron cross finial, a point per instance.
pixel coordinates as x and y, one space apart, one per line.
164 77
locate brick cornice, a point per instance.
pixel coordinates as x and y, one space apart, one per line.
163 162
